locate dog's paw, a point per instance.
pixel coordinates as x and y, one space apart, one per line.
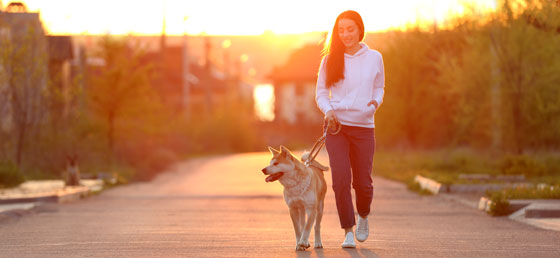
318 245
302 246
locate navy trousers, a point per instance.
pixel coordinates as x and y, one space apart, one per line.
351 161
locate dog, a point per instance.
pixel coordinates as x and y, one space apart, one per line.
72 170
304 192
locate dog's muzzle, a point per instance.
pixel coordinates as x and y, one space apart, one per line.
273 177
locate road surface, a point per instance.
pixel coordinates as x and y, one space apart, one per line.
222 207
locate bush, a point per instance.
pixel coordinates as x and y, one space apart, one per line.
10 175
457 161
521 164
499 205
225 130
552 164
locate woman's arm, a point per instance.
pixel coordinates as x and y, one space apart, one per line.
379 85
322 93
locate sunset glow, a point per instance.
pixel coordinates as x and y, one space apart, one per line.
244 17
263 96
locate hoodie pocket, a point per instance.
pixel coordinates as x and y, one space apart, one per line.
360 111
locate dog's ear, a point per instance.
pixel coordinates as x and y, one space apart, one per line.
284 152
273 151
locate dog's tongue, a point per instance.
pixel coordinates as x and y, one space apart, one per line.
274 177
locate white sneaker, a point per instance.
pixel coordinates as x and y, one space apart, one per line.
362 230
349 241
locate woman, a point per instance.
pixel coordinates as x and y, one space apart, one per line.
350 88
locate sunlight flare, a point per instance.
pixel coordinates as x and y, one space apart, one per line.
264 102
245 17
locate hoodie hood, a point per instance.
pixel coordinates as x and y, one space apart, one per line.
360 52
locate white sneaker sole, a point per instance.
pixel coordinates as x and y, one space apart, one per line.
348 244
361 239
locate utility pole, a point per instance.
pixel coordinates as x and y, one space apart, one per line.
185 77
495 88
162 40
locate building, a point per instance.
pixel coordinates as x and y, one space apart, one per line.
61 54
294 87
23 67
195 89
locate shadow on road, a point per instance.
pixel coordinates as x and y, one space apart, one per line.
354 253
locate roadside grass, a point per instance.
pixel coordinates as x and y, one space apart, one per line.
443 166
541 171
446 165
543 191
10 175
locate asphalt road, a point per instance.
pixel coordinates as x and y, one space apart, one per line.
222 207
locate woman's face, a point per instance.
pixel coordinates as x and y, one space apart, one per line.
348 32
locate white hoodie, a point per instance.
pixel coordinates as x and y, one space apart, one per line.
364 81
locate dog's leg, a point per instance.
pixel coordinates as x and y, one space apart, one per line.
301 217
311 215
318 243
294 214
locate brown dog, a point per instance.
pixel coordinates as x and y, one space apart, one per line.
304 192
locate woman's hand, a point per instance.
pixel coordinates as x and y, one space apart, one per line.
330 117
374 103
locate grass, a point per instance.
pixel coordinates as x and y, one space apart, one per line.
543 191
445 166
10 175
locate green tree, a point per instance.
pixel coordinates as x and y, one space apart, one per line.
120 92
23 58
504 80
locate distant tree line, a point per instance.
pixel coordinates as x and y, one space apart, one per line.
484 82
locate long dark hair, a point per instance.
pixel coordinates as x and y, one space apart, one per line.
334 49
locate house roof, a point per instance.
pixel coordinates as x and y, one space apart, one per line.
170 70
302 65
60 48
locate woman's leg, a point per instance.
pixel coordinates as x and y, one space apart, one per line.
339 159
362 148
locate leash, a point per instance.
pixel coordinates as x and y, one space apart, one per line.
321 141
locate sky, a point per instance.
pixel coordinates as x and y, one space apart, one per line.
236 17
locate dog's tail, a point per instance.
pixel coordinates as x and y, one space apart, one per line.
315 163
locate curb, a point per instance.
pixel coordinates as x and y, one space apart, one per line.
14 211
58 194
436 187
536 209
62 196
542 213
541 209
549 223
15 207
428 184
